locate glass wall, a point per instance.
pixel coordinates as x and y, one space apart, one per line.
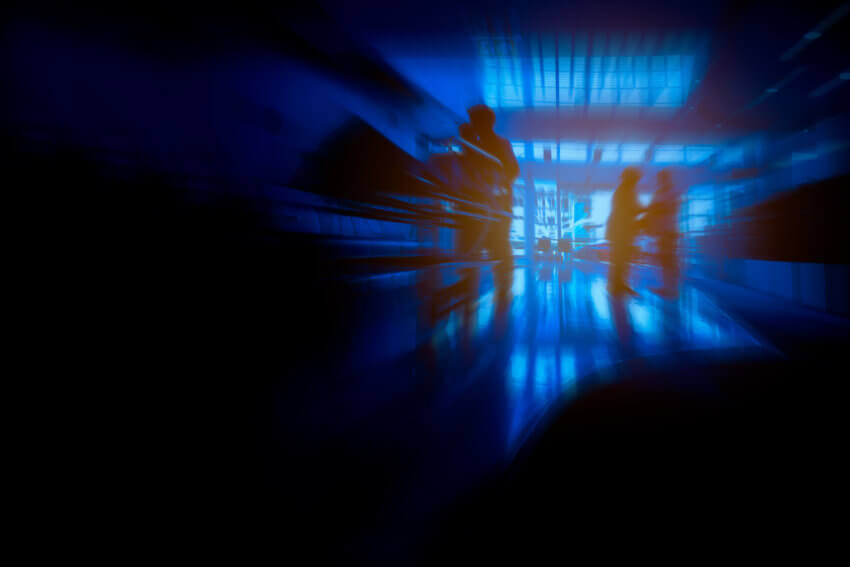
546 211
518 223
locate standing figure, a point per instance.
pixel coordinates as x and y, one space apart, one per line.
661 223
622 229
483 120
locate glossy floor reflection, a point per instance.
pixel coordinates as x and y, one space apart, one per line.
423 425
566 332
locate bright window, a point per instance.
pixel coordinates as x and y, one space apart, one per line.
571 151
570 70
519 149
610 152
669 154
502 73
698 154
543 69
633 153
539 149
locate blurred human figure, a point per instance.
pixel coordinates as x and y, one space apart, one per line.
661 220
483 120
622 229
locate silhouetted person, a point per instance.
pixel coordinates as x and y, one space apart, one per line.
622 229
483 120
661 221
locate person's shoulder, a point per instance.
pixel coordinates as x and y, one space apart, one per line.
495 139
505 146
502 140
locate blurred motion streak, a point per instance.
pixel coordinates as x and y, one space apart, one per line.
385 282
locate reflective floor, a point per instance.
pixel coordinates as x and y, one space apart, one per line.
485 380
564 332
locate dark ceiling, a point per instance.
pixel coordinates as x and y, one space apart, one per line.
760 74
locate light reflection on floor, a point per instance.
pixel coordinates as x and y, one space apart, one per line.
485 384
566 326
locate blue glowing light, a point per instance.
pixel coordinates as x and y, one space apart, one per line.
600 206
544 70
519 149
642 319
485 312
633 153
599 300
564 73
571 82
698 154
573 151
539 148
568 368
502 74
669 154
518 370
544 372
610 152
518 285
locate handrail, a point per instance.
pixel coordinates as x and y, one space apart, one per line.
478 150
433 191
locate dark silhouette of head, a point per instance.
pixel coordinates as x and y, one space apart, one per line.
630 176
482 118
467 132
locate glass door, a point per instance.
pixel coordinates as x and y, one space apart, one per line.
546 213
